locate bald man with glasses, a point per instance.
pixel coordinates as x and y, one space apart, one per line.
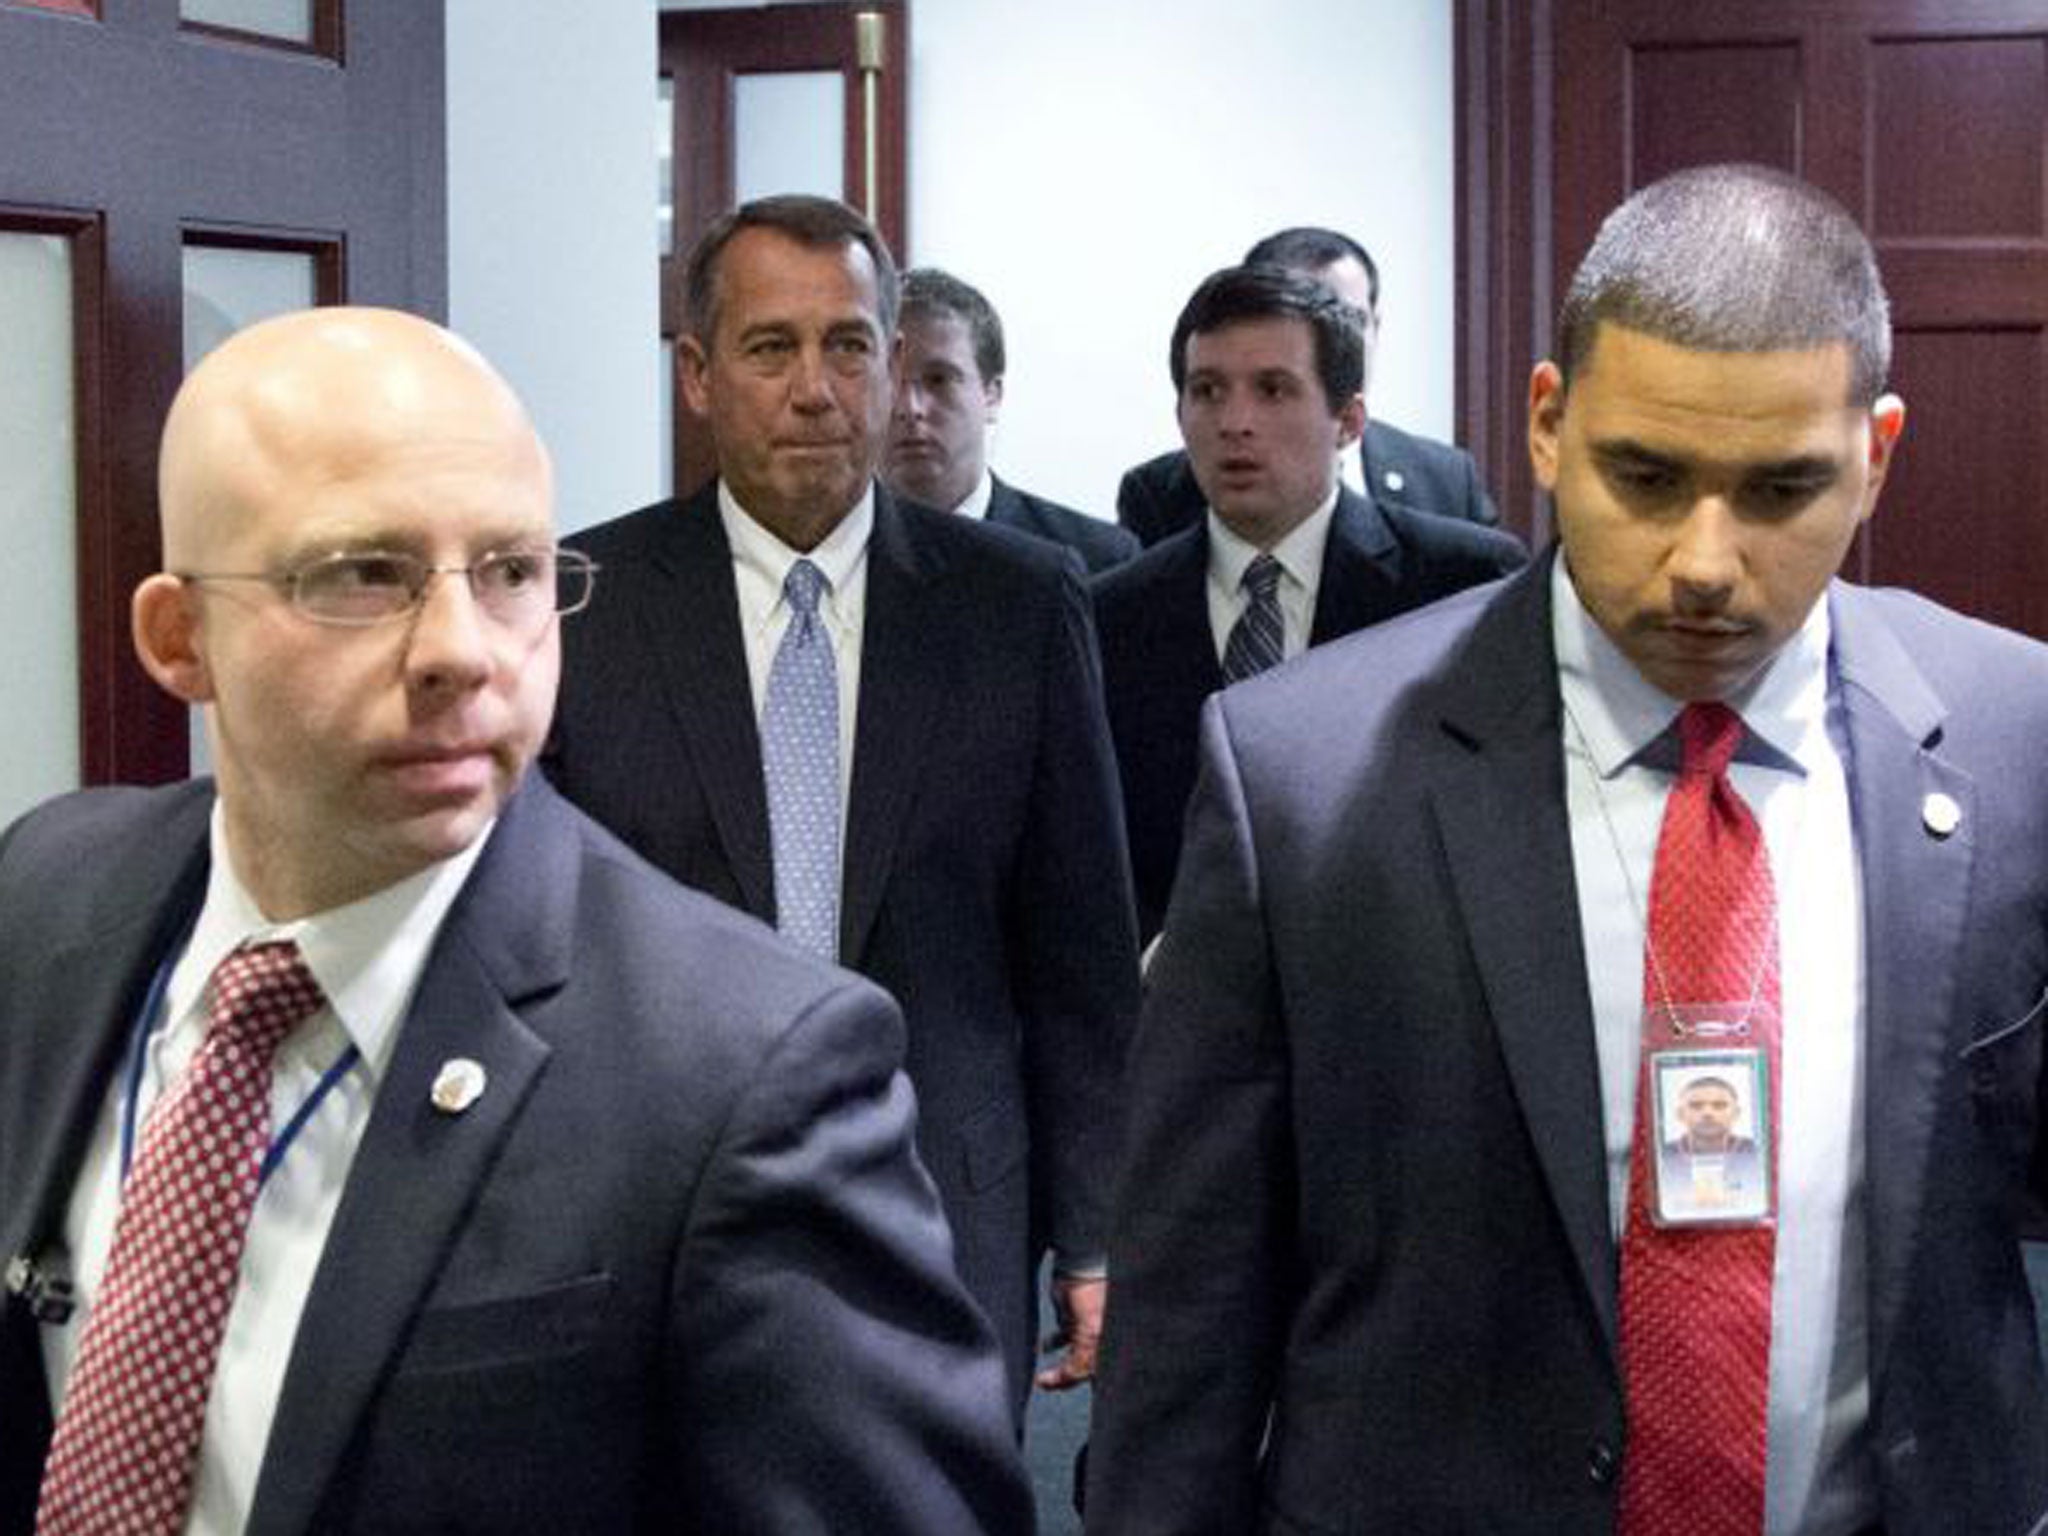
382 1145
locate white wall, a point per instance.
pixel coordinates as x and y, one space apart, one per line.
1086 165
551 235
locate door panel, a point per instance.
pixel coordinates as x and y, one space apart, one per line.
786 98
160 134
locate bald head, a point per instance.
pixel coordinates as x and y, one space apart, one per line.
353 745
306 400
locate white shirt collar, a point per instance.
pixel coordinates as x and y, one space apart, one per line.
838 555
367 955
1619 712
1300 553
975 503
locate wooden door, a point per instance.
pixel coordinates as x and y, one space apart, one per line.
141 139
708 58
1928 122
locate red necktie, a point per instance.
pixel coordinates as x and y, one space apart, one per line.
1696 1301
127 1440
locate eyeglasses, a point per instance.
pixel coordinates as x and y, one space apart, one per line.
519 588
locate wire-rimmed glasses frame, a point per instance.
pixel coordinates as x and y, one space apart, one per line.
354 589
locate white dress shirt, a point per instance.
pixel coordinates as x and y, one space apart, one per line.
1619 766
760 565
1300 555
975 503
367 957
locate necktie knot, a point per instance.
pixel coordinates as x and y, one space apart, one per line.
803 587
1709 734
1262 578
259 994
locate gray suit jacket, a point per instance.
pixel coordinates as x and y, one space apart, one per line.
1365 1186
676 1269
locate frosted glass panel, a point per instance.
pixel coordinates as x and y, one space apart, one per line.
39 754
290 20
790 133
226 289
665 160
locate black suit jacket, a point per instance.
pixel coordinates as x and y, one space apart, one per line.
1160 497
1366 1186
1100 544
985 879
1159 656
676 1269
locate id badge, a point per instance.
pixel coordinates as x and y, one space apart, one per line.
1711 1097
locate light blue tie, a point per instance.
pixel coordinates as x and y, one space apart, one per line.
800 760
1257 639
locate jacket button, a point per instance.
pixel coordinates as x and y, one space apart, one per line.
1601 1462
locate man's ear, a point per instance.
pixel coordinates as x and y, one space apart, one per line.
165 623
992 395
1546 421
691 364
1351 421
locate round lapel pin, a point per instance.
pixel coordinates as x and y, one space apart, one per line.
1940 814
459 1084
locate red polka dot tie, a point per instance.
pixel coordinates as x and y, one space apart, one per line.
127 1439
1696 1301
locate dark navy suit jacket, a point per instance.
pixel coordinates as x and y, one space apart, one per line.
1100 544
1366 1187
676 1269
1159 654
985 884
1160 497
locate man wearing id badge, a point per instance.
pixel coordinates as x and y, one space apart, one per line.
1592 1070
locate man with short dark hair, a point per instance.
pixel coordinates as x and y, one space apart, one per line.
949 387
1162 496
881 728
1462 893
382 1145
1265 366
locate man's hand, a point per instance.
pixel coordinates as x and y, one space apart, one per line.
1078 1304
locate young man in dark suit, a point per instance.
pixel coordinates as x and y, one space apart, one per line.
384 1147
1460 891
1267 367
1161 496
881 727
949 387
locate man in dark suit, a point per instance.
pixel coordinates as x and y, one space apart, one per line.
949 388
1380 1236
554 1196
1267 366
1162 496
967 773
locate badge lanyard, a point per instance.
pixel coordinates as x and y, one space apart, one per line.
138 1050
1680 1042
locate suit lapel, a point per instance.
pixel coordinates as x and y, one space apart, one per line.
903 668
1182 644
418 1171
1915 893
693 640
1361 567
1499 800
